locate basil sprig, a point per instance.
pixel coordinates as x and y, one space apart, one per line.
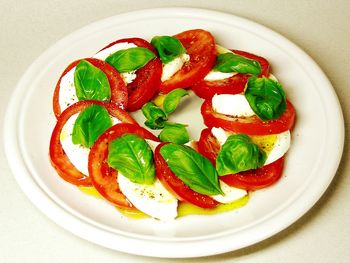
155 116
132 156
230 62
130 59
266 97
238 154
196 171
174 132
90 124
168 47
172 100
90 82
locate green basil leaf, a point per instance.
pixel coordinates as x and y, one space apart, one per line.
230 62
132 156
155 116
266 97
196 171
172 100
238 154
130 59
174 132
91 83
90 124
168 47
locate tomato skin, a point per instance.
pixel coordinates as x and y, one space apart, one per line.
58 157
200 46
233 85
248 125
146 84
177 186
254 179
208 145
147 81
103 177
119 93
257 178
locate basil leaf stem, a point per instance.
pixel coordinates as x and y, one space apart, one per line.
130 59
168 47
90 82
132 156
196 171
90 124
266 97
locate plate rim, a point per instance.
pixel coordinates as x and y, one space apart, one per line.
80 228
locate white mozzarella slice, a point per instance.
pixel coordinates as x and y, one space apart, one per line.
220 134
280 147
77 154
67 94
170 68
217 75
154 200
232 104
230 193
280 143
128 77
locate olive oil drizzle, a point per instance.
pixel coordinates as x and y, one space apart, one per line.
184 208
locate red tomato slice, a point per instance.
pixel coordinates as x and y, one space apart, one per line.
200 46
248 125
255 179
147 81
104 178
119 93
177 186
233 85
208 145
59 159
146 84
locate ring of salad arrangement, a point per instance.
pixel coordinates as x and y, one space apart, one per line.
98 146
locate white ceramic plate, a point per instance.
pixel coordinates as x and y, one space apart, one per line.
311 164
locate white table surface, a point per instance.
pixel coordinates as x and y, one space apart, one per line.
321 28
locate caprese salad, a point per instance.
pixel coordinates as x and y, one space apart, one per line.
97 144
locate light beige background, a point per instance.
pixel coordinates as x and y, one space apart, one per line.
321 28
